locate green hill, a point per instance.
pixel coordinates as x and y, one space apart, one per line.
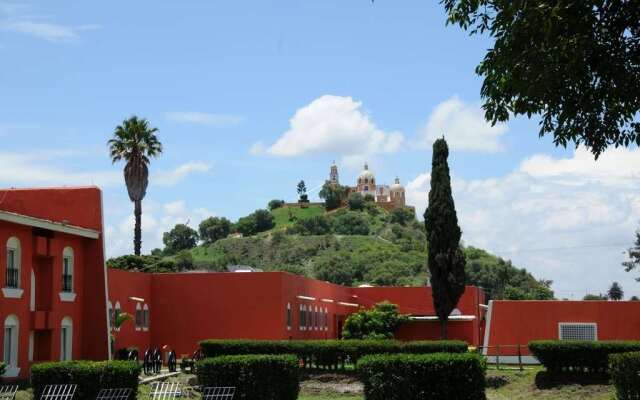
369 246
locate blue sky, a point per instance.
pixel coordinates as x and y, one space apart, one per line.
250 97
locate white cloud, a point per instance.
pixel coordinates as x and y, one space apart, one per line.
49 31
35 168
568 219
334 124
176 175
156 219
203 118
464 127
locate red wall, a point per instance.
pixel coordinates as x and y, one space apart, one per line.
186 308
81 207
519 322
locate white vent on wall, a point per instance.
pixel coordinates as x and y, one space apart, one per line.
578 331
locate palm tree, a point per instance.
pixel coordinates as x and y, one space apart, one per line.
119 318
135 142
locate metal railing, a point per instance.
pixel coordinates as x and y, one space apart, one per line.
12 278
514 351
67 283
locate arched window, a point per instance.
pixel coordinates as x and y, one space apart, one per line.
288 316
10 350
145 317
13 263
66 339
110 311
67 270
366 180
139 321
116 311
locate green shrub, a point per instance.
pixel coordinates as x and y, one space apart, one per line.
3 367
256 377
379 322
624 369
90 376
425 376
328 354
578 356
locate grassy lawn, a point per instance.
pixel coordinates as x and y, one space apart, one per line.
283 215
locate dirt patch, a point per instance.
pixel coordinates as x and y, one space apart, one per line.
331 383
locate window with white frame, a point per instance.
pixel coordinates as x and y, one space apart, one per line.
302 316
577 331
326 319
10 349
145 317
138 317
288 316
316 321
67 270
12 278
116 312
66 339
110 311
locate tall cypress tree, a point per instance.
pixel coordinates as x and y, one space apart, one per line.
446 260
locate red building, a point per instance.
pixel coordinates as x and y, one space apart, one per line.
516 322
53 301
181 309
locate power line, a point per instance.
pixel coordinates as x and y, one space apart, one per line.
585 246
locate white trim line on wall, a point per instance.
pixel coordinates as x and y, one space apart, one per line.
487 330
46 224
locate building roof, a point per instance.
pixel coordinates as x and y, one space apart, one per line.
47 224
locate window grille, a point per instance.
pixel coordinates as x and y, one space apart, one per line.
578 331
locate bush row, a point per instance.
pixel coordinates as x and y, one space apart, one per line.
256 377
328 353
420 377
579 356
623 369
90 376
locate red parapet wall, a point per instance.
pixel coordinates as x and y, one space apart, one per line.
516 322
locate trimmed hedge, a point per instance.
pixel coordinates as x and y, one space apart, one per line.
578 356
255 377
90 376
423 377
625 369
328 354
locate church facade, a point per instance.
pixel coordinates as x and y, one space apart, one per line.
387 196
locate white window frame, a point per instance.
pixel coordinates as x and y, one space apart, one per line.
288 319
111 315
116 310
69 258
585 324
326 319
66 341
10 355
145 317
138 317
13 244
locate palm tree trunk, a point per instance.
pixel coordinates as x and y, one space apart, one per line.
137 231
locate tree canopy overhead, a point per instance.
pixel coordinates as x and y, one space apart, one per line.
575 63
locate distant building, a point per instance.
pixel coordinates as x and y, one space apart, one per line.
386 196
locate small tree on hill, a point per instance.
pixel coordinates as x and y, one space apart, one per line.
213 229
275 203
380 322
615 292
333 195
356 202
181 237
446 260
302 192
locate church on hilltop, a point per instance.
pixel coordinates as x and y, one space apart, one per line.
386 196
